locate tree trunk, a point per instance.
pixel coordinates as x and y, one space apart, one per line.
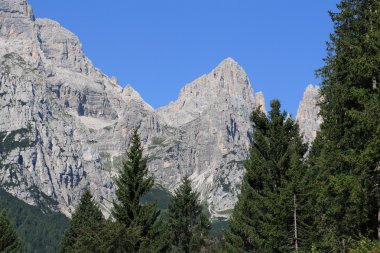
295 222
378 224
377 170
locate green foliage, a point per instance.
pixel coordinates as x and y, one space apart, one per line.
346 153
8 141
38 231
133 183
217 227
263 219
9 241
157 195
157 141
365 245
188 226
86 227
117 238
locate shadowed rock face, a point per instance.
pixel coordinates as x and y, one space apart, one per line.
65 126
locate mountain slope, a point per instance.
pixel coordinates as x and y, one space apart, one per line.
39 231
65 125
212 114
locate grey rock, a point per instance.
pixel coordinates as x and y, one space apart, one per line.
65 126
308 116
260 101
212 136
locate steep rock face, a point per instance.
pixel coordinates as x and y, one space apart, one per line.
64 125
226 84
212 136
260 101
43 155
59 114
17 33
308 113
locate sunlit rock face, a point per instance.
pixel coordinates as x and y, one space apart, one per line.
65 126
308 113
213 137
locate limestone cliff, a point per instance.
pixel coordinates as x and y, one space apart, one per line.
64 125
308 113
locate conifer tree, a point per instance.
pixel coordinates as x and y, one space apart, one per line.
132 183
346 153
9 240
188 226
271 212
85 233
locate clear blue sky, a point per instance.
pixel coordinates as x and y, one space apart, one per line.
160 45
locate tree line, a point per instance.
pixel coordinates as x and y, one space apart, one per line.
134 226
327 199
294 198
38 228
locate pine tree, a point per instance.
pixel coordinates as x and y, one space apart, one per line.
132 183
85 233
270 208
346 153
188 226
9 240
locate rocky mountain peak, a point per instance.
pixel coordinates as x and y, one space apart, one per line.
230 77
130 94
228 63
61 47
68 125
226 84
260 101
308 113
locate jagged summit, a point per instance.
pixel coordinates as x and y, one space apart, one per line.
68 125
308 113
129 93
228 61
312 89
260 101
229 68
62 47
227 84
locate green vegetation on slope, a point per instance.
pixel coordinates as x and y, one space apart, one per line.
188 226
159 195
38 231
9 241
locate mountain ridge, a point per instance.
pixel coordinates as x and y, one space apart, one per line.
68 124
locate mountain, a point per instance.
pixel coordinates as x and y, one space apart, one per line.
213 135
65 126
308 113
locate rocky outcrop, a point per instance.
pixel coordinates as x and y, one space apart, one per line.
260 101
308 116
64 125
212 117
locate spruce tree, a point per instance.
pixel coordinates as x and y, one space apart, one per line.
271 212
132 183
346 153
188 226
85 233
9 240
